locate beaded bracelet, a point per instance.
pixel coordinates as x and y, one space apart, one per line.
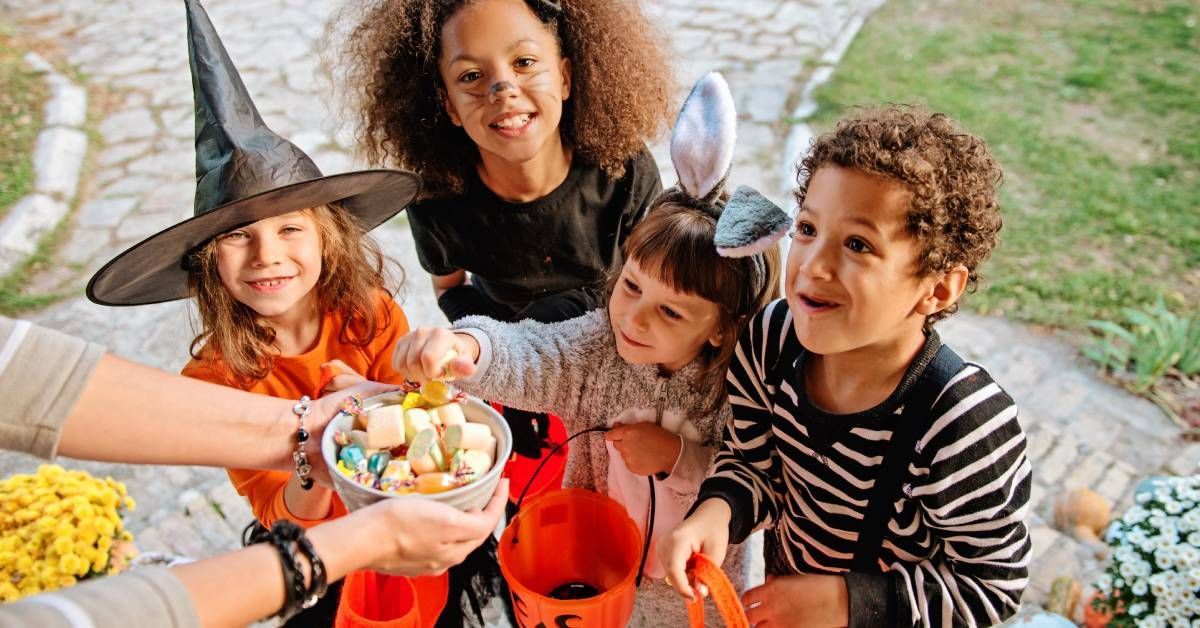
300 458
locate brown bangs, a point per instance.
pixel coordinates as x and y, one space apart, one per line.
674 244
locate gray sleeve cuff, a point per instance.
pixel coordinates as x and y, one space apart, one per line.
485 352
44 374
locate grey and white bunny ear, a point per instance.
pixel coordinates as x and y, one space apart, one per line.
750 224
703 138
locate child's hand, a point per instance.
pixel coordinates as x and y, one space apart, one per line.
803 600
645 447
343 377
707 532
421 354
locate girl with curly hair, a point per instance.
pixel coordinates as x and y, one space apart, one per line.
891 475
528 122
647 369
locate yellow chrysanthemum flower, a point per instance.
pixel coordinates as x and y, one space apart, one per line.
57 526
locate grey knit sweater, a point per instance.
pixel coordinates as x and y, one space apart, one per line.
572 369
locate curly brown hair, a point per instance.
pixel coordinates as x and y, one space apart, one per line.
951 178
674 244
353 271
622 81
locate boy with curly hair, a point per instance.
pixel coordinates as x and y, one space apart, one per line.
891 475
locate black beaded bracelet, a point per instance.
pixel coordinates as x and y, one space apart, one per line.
300 457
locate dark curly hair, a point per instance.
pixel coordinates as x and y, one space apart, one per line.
951 177
621 84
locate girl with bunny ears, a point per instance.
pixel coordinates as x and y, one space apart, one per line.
651 365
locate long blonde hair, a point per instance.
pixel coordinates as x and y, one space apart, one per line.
353 270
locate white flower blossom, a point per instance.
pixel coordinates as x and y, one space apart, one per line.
1135 514
1151 621
1128 570
1156 552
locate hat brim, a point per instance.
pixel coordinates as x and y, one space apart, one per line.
152 270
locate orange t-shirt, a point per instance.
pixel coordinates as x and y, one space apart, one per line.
296 375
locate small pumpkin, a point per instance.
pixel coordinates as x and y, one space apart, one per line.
1083 513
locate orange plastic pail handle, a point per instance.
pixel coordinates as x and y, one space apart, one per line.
700 568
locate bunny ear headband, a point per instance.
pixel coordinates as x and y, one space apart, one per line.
702 151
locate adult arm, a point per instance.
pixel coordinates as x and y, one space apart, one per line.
61 392
411 537
148 416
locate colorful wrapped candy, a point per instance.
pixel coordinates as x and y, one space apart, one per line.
423 444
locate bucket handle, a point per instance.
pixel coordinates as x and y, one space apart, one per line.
723 594
650 516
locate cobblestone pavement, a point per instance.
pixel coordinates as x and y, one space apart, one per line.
140 179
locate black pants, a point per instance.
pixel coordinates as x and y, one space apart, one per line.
474 583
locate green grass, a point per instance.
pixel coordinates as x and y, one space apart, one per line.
1093 109
21 96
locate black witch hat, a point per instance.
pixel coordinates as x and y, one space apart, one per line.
244 173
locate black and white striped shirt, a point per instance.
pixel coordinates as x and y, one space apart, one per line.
956 551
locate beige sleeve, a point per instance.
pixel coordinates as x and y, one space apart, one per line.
150 597
42 374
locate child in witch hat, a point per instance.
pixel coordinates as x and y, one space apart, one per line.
649 366
285 278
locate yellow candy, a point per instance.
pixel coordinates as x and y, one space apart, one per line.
437 393
412 400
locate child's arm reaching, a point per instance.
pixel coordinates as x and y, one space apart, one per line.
528 365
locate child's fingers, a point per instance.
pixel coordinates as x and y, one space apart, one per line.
433 354
462 367
616 432
674 554
343 381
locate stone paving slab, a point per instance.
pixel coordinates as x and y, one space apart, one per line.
1082 432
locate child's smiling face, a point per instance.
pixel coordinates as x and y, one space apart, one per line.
851 272
505 79
273 265
655 324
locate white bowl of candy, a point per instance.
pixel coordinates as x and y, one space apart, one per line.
431 444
